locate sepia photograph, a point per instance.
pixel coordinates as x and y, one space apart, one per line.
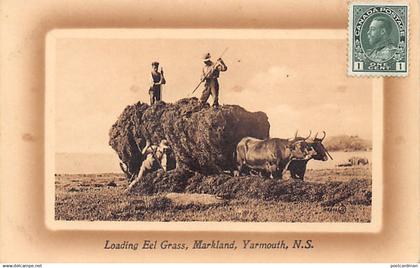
137 132
209 126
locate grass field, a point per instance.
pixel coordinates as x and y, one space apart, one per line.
327 195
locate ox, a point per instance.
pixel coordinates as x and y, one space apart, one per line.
355 161
270 156
297 168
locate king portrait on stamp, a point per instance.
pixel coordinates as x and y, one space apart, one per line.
383 47
378 39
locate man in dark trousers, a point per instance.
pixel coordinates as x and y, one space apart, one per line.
211 72
156 82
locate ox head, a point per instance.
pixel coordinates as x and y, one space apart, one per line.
316 150
316 144
302 147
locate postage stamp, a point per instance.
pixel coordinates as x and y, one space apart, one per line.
378 39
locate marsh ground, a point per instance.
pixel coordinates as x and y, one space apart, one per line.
328 195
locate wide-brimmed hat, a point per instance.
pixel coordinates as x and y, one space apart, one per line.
206 57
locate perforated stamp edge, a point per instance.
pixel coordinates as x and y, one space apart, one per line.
350 71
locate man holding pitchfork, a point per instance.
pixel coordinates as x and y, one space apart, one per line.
210 75
156 82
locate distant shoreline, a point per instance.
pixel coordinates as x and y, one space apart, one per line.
85 165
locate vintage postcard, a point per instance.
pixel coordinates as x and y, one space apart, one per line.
378 39
210 130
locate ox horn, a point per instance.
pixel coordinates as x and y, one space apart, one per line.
325 134
310 133
295 137
316 135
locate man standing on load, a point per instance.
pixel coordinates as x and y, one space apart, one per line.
211 72
156 82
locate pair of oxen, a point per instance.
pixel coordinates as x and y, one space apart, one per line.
272 157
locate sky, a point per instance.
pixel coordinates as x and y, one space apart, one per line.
300 84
